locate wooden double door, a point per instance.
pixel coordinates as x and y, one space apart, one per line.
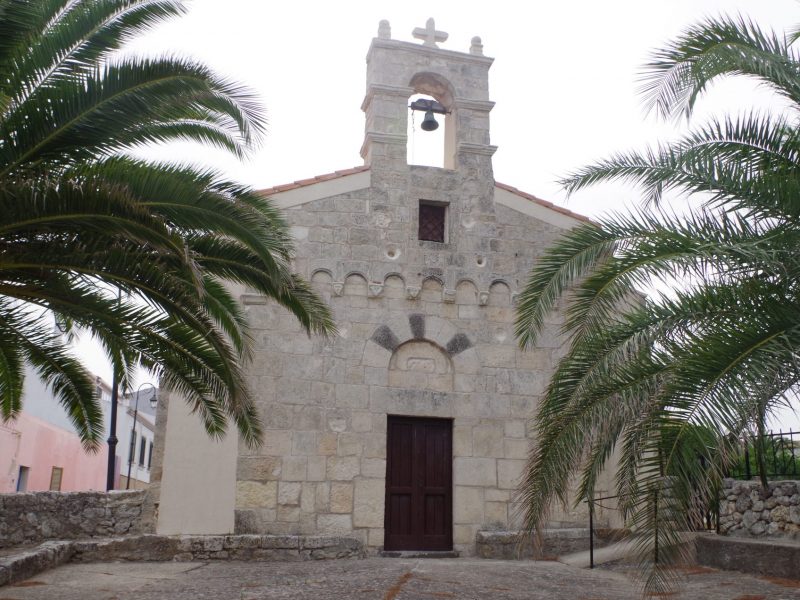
419 484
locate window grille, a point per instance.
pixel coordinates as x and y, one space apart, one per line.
431 222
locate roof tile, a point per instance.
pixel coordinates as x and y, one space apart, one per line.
312 180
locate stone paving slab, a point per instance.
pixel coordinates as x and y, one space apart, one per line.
373 578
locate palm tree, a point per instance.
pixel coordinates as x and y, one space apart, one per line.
714 346
141 253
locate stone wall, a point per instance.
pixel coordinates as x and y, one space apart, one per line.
406 347
746 509
35 516
426 329
516 545
26 562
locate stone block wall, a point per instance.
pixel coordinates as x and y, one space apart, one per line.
424 332
517 545
746 509
35 516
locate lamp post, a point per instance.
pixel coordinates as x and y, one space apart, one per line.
112 426
132 448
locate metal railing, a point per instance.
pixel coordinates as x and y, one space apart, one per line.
781 456
708 520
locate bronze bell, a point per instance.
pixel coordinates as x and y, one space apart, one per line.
429 122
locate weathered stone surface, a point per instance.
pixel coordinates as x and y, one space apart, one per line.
343 468
468 504
35 516
256 494
426 328
516 545
341 497
25 564
368 503
475 471
747 510
777 558
400 578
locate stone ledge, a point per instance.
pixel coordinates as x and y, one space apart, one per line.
219 547
25 564
773 557
507 545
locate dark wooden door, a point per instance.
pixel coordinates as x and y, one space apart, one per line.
419 484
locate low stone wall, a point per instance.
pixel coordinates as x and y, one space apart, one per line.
36 516
218 547
28 562
555 542
764 557
746 509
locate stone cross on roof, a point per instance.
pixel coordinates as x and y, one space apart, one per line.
429 34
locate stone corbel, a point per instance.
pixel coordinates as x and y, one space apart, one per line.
412 292
449 296
338 288
483 298
375 290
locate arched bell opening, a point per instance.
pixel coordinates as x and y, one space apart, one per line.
431 126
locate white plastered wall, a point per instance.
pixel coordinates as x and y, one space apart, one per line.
199 476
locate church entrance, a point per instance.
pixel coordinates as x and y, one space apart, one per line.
419 484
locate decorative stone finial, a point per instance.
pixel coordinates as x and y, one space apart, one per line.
429 35
384 30
477 47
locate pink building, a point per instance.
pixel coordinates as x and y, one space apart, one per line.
40 450
36 455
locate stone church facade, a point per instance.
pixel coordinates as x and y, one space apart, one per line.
409 430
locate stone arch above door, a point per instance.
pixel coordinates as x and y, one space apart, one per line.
420 364
452 345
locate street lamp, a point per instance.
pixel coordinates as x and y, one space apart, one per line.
132 448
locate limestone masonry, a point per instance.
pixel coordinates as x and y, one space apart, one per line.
36 516
746 509
426 330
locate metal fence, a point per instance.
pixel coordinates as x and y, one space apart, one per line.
781 456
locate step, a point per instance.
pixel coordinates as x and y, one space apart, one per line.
611 553
419 553
26 562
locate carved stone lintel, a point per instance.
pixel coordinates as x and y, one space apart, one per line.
412 292
375 290
449 296
338 287
483 298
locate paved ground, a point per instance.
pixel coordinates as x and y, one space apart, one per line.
374 578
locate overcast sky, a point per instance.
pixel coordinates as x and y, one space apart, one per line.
564 78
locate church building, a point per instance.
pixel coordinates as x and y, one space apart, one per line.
410 430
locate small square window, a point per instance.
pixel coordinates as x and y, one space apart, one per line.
432 219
